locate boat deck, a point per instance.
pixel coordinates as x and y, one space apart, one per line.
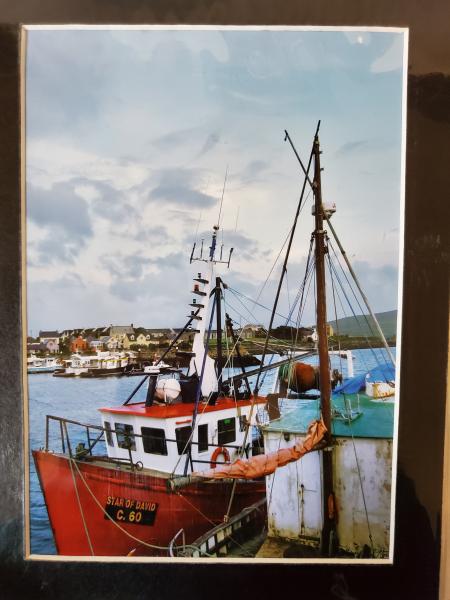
375 421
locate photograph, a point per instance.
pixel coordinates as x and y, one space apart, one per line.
214 226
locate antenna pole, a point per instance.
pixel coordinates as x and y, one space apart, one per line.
223 193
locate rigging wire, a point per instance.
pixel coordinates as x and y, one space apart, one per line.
237 292
369 325
344 312
335 312
354 314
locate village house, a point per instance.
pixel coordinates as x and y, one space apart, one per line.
96 345
250 331
117 335
78 344
50 339
33 347
141 337
313 337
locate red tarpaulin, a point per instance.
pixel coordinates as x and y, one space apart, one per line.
265 464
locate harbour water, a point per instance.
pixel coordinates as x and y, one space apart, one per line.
79 399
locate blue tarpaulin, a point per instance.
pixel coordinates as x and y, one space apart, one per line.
357 383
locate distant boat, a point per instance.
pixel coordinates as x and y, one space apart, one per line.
105 364
100 365
73 367
42 365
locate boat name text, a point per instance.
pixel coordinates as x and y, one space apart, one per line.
126 510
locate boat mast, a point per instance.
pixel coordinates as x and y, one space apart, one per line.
329 524
218 293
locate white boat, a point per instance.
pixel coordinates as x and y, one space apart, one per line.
74 366
106 363
42 365
99 365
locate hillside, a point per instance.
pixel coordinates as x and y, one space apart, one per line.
350 326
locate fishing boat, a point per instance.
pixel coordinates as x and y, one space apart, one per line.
328 440
123 502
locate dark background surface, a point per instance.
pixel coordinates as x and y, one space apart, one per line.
425 317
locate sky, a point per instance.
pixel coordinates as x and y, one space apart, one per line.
130 135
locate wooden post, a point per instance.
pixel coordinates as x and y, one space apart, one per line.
329 523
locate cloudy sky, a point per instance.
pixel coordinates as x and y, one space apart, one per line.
130 134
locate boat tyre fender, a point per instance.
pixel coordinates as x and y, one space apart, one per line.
220 451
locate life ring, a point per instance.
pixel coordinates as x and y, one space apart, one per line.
215 455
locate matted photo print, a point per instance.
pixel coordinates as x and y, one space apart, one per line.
213 259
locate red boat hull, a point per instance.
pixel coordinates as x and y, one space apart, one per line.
80 495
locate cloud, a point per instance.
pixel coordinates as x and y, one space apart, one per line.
211 141
174 260
157 236
121 118
60 78
174 138
59 206
132 277
379 284
180 187
350 147
130 266
63 217
55 248
107 201
252 172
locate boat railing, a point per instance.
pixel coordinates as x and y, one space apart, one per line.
222 539
96 433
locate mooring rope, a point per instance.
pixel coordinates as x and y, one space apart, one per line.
153 546
86 530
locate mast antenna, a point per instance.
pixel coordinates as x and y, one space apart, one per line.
223 193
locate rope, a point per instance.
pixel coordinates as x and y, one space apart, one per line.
111 519
81 508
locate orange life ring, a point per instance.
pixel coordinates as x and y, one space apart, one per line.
215 455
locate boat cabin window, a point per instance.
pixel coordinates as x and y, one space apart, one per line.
154 440
109 437
226 431
125 436
203 437
182 435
